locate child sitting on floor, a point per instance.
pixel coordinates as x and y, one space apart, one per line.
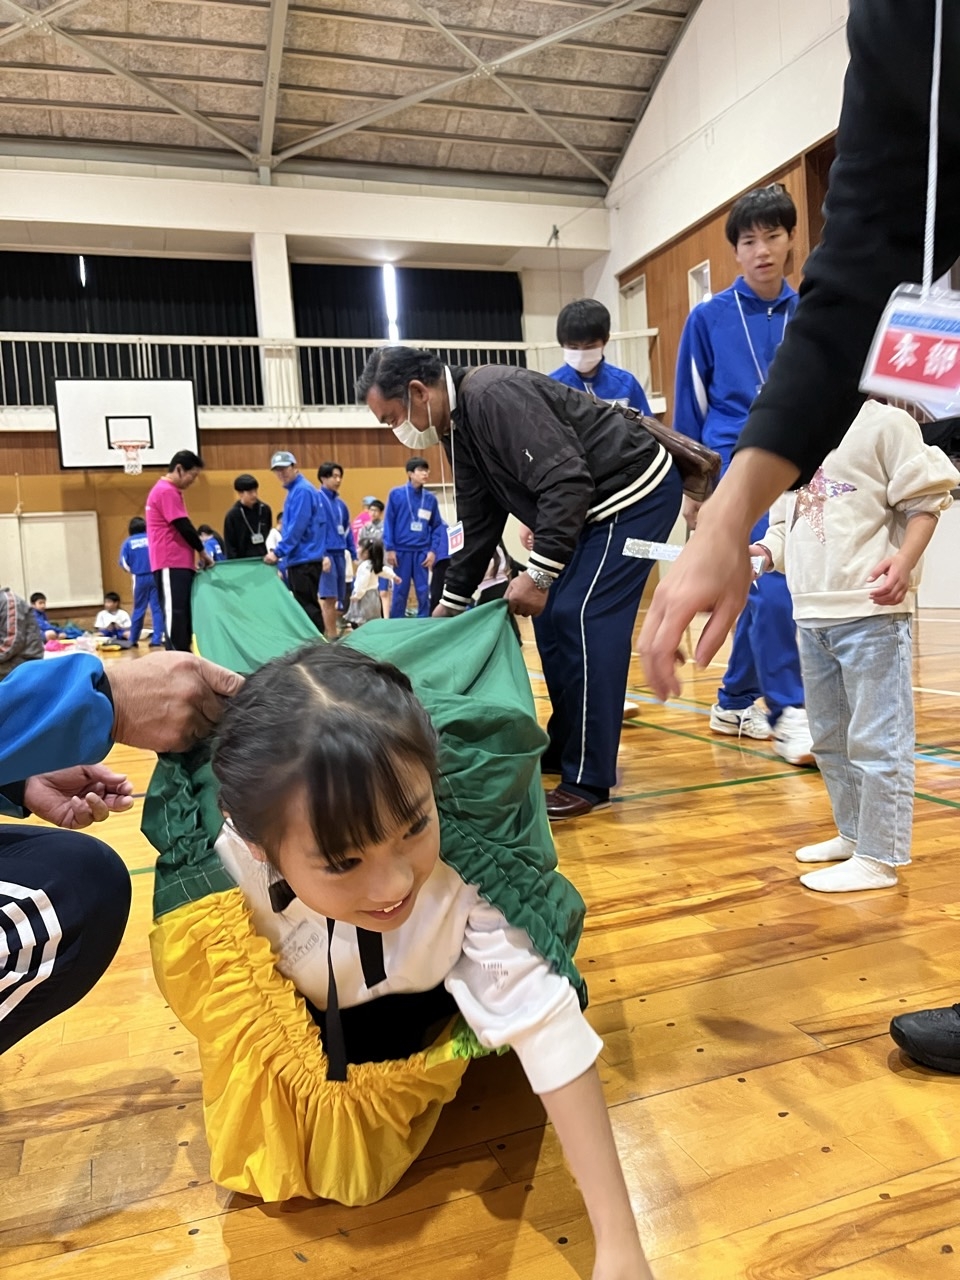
49 630
112 621
865 518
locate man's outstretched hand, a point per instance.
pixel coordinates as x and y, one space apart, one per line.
168 701
76 798
713 572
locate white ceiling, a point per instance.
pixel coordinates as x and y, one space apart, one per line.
540 92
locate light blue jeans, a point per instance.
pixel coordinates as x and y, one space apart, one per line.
857 677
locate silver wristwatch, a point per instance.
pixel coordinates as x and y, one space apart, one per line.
542 581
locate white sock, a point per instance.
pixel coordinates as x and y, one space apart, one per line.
855 873
833 850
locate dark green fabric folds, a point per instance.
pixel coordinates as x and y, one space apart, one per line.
469 674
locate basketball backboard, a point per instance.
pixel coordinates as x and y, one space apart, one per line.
95 415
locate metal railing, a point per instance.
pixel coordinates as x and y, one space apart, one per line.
252 373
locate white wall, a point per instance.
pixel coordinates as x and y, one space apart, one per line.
751 84
544 293
135 208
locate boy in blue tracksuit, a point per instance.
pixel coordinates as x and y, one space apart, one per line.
409 525
303 548
135 559
583 330
726 350
333 582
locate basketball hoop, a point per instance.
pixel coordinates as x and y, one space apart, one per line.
131 454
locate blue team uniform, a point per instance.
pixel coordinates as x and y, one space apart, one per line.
305 521
211 545
606 382
719 374
333 583
410 523
135 558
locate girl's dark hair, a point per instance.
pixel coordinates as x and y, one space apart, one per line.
339 725
392 369
375 555
208 532
585 320
137 525
767 207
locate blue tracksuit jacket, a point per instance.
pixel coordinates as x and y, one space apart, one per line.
338 523
305 525
135 557
717 379
607 382
403 507
54 715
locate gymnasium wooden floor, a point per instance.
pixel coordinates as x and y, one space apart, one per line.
769 1127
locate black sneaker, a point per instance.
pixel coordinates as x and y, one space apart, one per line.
931 1037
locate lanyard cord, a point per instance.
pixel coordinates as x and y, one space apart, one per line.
932 157
452 397
761 376
243 513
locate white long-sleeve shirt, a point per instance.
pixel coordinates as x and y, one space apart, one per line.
505 990
831 534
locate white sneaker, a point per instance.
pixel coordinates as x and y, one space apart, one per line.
749 723
791 736
630 710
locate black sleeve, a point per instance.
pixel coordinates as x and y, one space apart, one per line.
231 545
483 520
873 237
188 533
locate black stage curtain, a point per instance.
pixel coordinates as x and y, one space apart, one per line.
331 301
462 306
163 296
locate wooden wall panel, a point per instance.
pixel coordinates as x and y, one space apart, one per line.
666 270
30 473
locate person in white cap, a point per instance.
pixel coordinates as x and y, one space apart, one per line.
305 536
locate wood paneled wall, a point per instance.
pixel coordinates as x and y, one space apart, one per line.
666 270
30 473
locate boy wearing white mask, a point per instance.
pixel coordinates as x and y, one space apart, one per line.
583 330
409 524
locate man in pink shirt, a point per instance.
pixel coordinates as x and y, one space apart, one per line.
175 547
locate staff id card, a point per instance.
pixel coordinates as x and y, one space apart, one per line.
423 513
416 526
644 550
256 538
916 350
455 537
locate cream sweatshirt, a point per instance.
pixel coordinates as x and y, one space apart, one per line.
830 535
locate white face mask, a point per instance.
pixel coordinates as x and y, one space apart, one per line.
583 361
412 437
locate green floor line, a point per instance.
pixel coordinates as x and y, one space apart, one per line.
938 749
704 786
697 737
141 871
950 804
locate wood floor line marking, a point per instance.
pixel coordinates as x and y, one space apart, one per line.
713 742
704 786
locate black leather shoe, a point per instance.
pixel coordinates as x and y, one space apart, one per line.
564 804
931 1037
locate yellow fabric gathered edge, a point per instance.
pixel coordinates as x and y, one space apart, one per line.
276 1127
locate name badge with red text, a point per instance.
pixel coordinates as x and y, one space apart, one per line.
915 354
455 537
